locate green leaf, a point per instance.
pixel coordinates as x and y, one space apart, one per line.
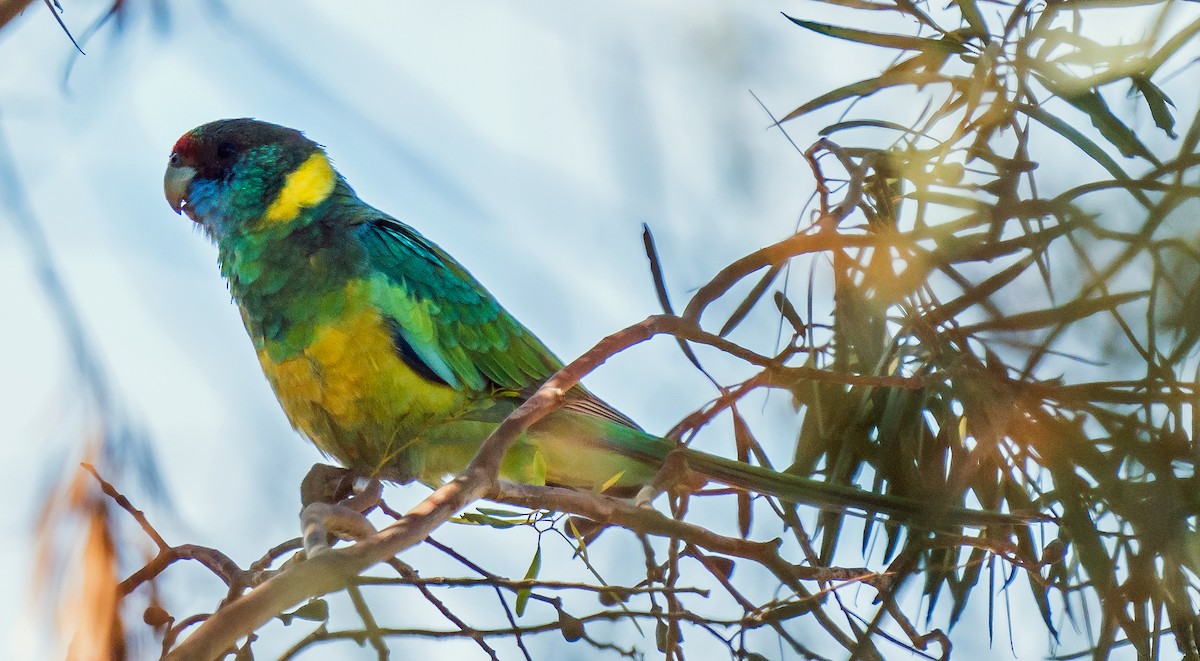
972 570
580 542
865 123
744 440
866 88
794 609
1085 145
1160 104
1113 129
316 610
1050 316
896 41
492 511
1171 46
571 627
1037 587
660 635
535 566
970 13
751 300
1096 108
663 638
947 199
981 292
478 519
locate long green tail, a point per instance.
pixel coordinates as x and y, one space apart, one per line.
612 446
838 497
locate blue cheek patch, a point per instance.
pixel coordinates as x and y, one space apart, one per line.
205 202
237 202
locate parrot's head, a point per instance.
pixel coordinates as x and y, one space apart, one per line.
240 176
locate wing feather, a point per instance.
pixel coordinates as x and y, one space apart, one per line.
447 317
454 325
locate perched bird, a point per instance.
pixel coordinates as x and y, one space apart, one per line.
388 355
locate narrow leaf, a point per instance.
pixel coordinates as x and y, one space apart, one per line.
1160 104
1085 145
980 293
865 88
1113 129
971 14
865 123
741 436
1050 316
660 288
895 41
63 25
493 511
751 300
788 311
535 566
580 529
478 519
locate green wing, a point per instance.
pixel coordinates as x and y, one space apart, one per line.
450 325
445 317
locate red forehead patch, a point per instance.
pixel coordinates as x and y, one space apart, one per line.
184 144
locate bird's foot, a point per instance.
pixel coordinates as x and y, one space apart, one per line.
336 501
321 520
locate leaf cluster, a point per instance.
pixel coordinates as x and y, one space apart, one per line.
1047 312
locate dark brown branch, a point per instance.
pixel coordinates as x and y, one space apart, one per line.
799 244
217 562
603 616
123 502
517 584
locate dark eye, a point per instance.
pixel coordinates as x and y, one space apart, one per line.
226 150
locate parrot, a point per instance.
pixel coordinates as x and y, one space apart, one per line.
390 357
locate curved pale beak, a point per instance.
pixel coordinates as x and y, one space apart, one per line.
176 182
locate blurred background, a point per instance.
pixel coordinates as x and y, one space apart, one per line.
531 141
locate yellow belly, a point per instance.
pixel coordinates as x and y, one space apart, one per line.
351 394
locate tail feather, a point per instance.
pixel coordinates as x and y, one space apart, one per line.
652 450
838 497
